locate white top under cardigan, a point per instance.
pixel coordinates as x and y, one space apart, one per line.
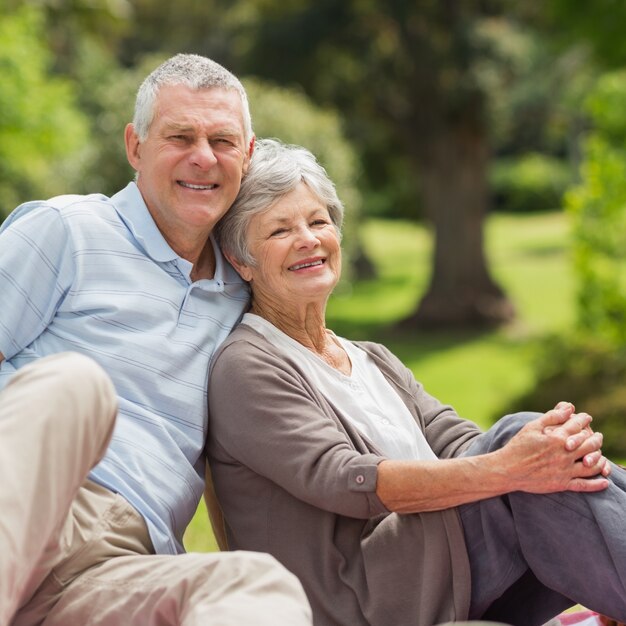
364 396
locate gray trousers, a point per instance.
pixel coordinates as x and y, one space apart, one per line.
532 556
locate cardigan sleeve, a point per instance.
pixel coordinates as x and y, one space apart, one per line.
263 415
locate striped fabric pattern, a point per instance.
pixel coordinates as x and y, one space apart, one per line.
94 275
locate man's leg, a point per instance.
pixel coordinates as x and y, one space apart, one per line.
56 418
109 576
216 589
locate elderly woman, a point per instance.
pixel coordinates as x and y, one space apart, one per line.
391 509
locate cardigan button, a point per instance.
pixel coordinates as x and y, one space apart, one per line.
360 479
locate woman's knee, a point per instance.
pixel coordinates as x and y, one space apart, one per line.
501 432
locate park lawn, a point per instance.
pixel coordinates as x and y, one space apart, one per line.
477 372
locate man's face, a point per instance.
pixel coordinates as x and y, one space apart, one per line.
191 163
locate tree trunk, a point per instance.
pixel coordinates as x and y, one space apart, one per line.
454 182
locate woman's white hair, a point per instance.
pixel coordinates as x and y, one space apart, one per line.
275 170
193 71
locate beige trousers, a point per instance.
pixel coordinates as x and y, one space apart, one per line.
73 553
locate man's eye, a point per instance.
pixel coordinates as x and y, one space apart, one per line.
222 141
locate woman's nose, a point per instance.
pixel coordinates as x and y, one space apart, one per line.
307 238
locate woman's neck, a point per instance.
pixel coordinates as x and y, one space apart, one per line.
305 323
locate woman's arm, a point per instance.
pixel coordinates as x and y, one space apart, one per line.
552 453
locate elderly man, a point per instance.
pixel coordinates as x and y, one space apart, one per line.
111 310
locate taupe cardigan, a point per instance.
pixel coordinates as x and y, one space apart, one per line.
294 478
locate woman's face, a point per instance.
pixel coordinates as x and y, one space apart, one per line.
297 251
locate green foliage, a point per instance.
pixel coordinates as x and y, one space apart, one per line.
605 105
41 127
599 24
531 182
107 95
590 374
588 367
598 209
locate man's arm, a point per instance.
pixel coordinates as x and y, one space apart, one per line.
1 357
36 270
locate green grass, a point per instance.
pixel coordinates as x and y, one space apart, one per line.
477 372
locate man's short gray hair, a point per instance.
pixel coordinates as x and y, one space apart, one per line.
193 71
275 170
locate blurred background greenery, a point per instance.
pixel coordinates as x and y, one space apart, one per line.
480 147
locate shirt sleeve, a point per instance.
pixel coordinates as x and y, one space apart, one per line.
35 273
262 415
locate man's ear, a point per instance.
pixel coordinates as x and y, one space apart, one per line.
132 143
246 163
242 269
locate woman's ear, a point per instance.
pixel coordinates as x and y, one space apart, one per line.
243 270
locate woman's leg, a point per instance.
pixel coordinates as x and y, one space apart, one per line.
574 544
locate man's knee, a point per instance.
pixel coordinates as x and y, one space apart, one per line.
248 587
74 387
259 566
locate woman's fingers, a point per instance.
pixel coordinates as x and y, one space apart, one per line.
567 406
588 484
557 416
584 442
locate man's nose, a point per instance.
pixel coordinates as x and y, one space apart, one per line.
202 155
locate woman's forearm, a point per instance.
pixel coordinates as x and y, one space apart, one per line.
419 486
552 453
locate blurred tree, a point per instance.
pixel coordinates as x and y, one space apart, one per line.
41 127
68 23
405 75
107 95
195 26
597 25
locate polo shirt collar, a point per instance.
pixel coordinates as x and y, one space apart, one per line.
132 209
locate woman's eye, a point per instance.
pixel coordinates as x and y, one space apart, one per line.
278 231
319 222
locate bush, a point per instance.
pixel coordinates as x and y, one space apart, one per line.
532 182
41 127
588 373
598 210
589 368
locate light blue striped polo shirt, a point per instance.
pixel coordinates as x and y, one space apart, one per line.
94 275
